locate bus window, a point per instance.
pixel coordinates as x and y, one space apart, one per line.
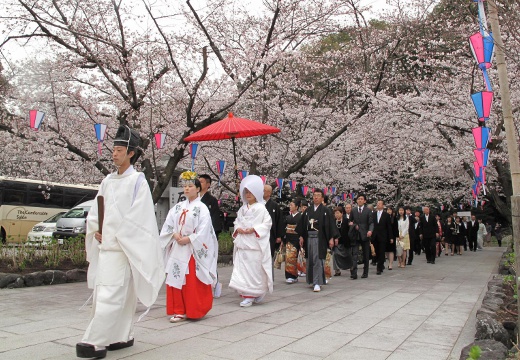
16 194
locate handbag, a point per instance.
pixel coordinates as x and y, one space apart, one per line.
301 265
372 250
279 257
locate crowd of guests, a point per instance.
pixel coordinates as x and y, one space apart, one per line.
348 237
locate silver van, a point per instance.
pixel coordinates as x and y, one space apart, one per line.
73 223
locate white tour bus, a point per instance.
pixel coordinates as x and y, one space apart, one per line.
24 203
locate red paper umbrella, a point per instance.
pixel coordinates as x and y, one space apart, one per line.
232 128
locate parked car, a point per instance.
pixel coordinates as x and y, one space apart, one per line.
41 233
73 223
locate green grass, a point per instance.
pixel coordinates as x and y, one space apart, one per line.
225 243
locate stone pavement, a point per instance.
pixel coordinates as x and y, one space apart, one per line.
421 312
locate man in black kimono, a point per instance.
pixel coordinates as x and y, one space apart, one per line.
277 226
318 229
211 202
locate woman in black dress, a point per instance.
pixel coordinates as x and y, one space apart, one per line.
449 238
459 235
390 246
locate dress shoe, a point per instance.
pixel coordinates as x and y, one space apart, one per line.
409 264
364 276
120 345
433 262
337 273
89 351
378 273
354 277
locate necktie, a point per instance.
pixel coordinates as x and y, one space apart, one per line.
360 209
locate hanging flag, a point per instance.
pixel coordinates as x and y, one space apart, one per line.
35 119
479 156
481 136
482 47
292 185
193 153
325 191
160 138
221 167
482 102
333 190
101 130
485 155
344 196
264 179
242 174
279 183
305 190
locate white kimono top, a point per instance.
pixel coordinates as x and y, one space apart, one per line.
257 217
190 219
129 226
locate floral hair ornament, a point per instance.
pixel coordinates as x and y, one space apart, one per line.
189 176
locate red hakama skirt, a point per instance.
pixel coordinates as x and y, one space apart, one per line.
194 300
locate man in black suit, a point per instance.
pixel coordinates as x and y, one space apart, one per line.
412 234
472 230
429 232
211 202
362 216
278 225
382 234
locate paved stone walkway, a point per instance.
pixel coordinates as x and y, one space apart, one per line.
421 312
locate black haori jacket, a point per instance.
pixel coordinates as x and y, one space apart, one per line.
324 222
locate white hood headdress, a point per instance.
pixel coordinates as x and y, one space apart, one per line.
255 185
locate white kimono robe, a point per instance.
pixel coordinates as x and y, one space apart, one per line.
252 264
128 264
196 224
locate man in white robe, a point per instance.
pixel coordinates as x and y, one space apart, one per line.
126 261
252 273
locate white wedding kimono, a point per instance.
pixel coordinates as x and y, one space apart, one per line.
190 219
127 265
252 264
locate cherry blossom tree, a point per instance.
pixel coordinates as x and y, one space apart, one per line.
377 106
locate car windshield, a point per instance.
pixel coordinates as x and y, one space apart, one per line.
77 213
54 218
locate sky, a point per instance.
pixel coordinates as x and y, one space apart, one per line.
13 52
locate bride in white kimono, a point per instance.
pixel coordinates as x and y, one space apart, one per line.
190 254
252 263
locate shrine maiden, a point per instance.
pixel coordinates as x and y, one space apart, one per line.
190 253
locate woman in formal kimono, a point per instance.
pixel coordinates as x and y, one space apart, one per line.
252 273
292 243
190 252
